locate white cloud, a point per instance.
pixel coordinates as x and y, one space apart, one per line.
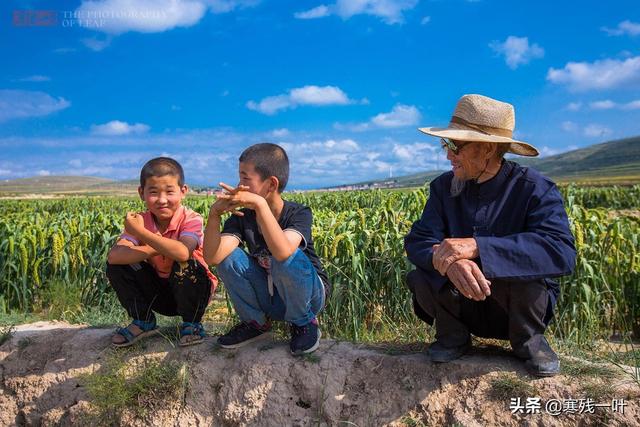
624 28
213 153
602 105
425 20
280 133
225 6
43 172
96 44
117 128
146 16
17 104
595 130
607 104
633 105
306 95
574 106
390 11
601 74
34 79
517 50
317 12
569 126
401 115
412 152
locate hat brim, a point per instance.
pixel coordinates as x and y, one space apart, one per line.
517 147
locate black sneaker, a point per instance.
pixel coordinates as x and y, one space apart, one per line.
304 339
241 334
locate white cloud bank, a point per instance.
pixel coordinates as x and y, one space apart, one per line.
390 11
306 95
19 104
517 51
118 128
597 75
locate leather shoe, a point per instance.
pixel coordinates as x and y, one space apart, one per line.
438 353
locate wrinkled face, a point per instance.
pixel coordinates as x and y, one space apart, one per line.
252 179
163 195
470 160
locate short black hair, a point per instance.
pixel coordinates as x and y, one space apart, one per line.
161 166
268 160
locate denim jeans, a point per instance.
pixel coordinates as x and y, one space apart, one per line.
298 294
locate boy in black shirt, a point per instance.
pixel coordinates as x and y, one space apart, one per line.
280 276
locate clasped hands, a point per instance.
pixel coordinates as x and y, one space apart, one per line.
234 198
453 258
134 226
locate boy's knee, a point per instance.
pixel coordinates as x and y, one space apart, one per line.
114 270
233 263
297 260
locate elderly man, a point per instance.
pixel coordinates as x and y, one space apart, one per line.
491 236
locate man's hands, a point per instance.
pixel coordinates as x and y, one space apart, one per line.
469 280
134 224
452 258
233 199
452 250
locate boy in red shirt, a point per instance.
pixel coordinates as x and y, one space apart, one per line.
157 264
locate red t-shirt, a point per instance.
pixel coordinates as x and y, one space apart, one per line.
184 222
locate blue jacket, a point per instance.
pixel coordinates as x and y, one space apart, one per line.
517 218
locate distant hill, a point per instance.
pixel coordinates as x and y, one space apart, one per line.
609 162
72 185
66 185
613 162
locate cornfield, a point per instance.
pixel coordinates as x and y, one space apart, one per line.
58 244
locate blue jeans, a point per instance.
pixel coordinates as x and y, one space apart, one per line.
298 294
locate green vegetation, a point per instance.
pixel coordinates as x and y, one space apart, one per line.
53 252
140 385
507 385
6 332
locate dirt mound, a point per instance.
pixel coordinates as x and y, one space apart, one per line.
43 364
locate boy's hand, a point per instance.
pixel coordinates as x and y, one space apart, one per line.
134 224
240 197
221 206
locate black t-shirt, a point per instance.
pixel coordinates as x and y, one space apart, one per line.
294 217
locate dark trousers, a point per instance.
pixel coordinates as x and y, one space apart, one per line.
515 311
142 292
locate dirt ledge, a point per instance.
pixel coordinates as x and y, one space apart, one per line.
263 385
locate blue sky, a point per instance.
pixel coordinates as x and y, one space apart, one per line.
99 87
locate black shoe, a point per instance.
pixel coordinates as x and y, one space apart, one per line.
241 334
438 353
544 362
304 339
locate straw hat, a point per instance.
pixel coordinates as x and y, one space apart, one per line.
479 118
